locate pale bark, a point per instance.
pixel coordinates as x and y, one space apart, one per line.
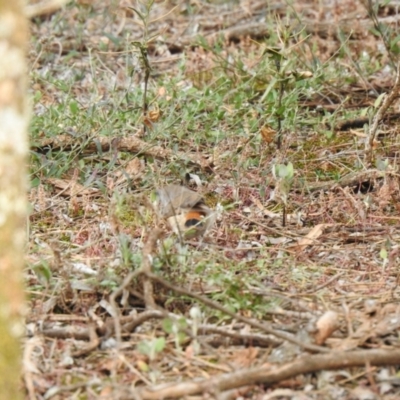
13 204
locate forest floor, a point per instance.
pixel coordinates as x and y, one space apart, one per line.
274 112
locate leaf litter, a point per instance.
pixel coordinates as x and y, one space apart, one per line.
280 308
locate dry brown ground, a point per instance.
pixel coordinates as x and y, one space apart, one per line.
305 311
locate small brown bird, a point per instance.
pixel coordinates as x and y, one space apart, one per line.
184 210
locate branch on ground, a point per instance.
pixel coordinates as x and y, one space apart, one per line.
270 375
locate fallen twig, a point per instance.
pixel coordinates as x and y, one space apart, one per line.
269 375
253 339
348 180
130 144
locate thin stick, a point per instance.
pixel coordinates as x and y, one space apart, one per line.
388 100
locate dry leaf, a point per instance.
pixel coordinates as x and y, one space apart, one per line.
309 239
154 114
132 171
268 134
162 91
189 352
244 358
72 188
326 325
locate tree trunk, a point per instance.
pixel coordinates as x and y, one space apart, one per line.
14 117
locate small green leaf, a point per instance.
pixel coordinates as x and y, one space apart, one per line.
182 323
167 324
43 272
181 337
35 182
284 171
290 171
37 96
144 348
378 101
73 106
159 344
